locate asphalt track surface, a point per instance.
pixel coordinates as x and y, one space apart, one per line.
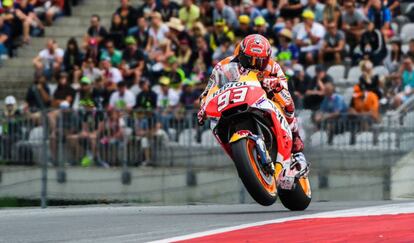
140 223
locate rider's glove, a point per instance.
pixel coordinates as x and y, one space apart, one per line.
201 116
272 84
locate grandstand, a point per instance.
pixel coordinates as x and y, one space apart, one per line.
166 52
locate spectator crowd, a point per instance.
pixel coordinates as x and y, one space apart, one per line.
156 58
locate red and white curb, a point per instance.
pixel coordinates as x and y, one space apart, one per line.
390 209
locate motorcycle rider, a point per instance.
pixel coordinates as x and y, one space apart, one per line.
253 53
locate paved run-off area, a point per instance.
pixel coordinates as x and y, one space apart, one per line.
142 223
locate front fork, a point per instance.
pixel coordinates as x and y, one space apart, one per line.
265 158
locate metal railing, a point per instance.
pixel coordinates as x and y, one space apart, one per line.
116 138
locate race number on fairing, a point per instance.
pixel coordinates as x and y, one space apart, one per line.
231 97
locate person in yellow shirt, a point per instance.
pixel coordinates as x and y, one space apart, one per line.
189 13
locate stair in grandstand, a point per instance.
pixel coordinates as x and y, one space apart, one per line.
16 74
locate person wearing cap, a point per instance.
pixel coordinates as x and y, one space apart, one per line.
133 61
221 30
223 11
260 27
18 20
189 13
287 52
247 8
365 106
12 127
177 34
174 72
122 98
244 27
333 46
316 7
167 102
309 36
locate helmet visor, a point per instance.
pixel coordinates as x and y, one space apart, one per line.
253 63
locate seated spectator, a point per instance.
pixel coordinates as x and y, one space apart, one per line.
168 9
111 134
117 32
184 53
243 28
317 8
206 13
393 6
17 20
5 39
219 32
333 47
31 23
364 107
394 58
38 95
315 89
12 127
223 11
167 101
50 9
352 23
198 30
101 93
189 13
173 72
112 53
63 92
140 32
287 51
406 73
90 70
127 13
177 34
309 36
49 60
123 98
96 32
261 27
146 99
157 32
248 8
380 15
83 145
372 46
202 59
133 61
225 49
331 13
188 97
410 51
291 9
331 115
368 81
300 81
72 60
111 75
147 8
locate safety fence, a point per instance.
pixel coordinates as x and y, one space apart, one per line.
163 138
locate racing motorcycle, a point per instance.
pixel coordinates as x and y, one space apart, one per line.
255 134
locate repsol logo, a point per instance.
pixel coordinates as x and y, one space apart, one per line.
228 86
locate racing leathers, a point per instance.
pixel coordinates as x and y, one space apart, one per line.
274 82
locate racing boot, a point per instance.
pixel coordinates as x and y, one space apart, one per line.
297 149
